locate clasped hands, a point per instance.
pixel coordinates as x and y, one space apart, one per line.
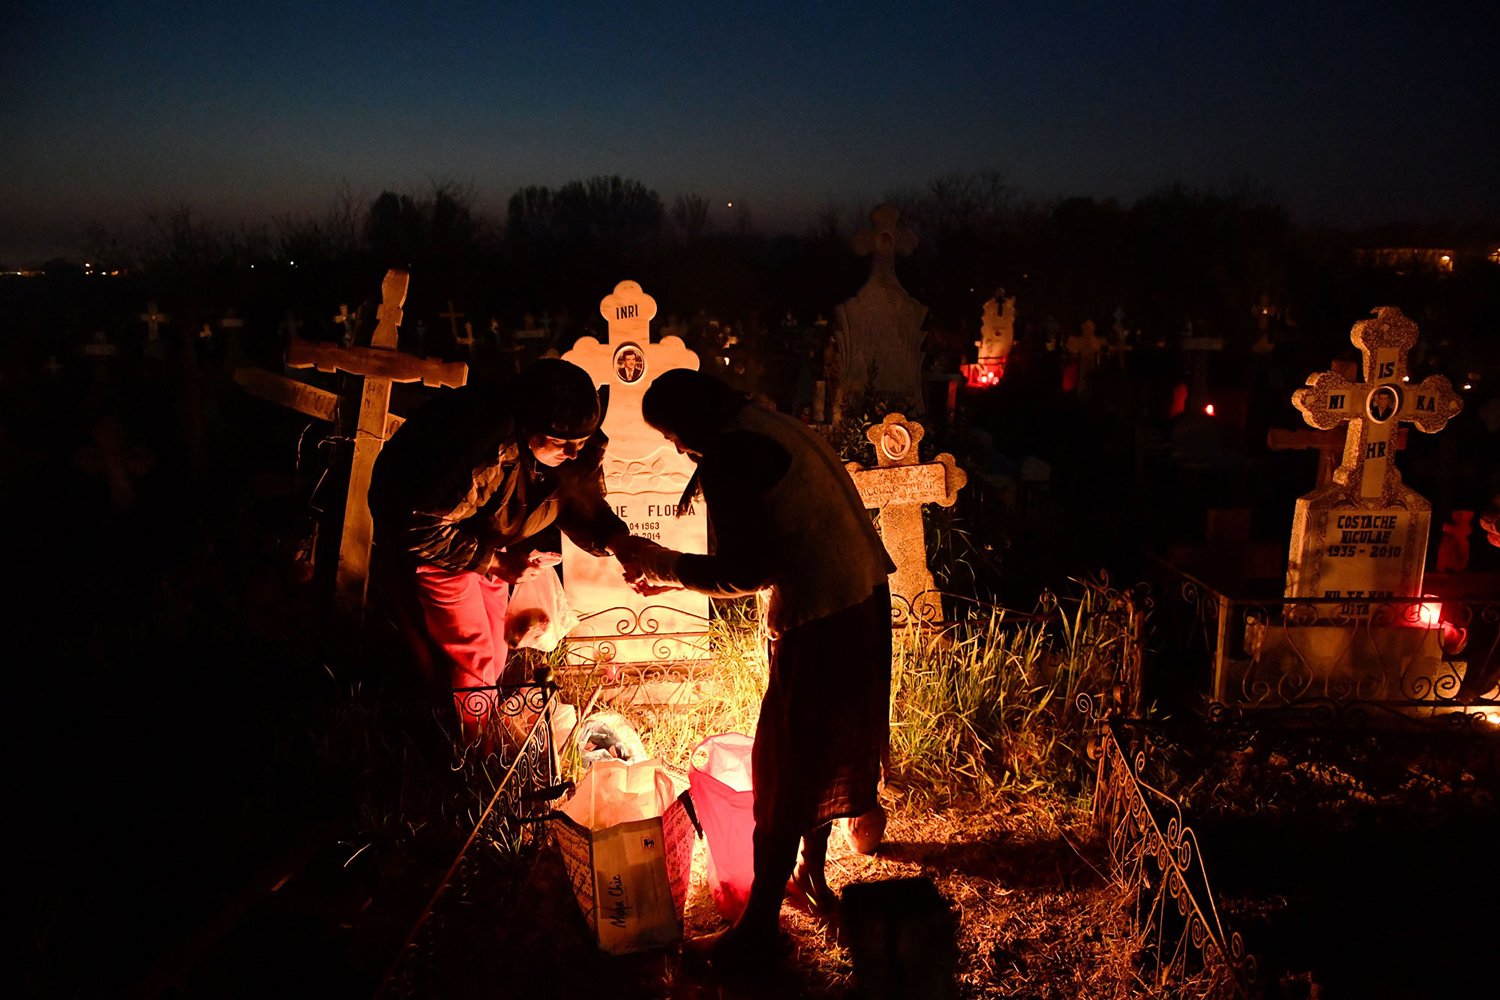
649 568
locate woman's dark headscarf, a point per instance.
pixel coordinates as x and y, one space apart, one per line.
693 406
557 398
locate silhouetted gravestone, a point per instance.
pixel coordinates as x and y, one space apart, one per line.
880 328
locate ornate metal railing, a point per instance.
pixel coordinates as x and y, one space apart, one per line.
517 734
1397 659
600 636
1156 855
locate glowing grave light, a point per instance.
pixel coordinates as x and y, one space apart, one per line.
1208 408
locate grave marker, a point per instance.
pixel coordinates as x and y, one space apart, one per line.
345 322
154 319
644 477
880 328
453 316
897 487
1364 534
380 364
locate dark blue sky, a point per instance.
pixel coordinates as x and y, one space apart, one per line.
1345 112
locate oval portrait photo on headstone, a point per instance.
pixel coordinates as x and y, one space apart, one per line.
630 363
1383 403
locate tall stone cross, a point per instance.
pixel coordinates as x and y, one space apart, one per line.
897 487
1364 534
380 364
880 328
644 476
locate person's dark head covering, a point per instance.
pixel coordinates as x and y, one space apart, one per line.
557 398
693 406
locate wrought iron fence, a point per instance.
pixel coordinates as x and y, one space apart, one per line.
1408 659
1156 854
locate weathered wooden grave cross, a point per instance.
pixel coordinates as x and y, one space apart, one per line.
897 487
1364 534
380 364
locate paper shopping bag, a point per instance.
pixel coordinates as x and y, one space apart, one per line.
627 844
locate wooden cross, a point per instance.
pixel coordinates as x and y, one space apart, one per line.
1330 446
898 487
1375 407
154 320
453 316
380 364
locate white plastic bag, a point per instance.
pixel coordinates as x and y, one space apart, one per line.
539 615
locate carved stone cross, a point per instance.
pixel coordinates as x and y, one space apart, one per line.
898 487
380 364
644 477
153 319
1375 407
880 328
1364 534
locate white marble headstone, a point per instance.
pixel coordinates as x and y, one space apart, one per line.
644 476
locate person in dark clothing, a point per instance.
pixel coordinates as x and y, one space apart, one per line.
461 489
787 523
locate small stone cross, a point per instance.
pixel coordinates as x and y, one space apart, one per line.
1375 407
154 320
898 487
291 325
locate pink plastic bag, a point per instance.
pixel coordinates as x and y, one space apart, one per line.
719 781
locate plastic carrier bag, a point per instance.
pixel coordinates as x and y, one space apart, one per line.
720 779
626 840
538 615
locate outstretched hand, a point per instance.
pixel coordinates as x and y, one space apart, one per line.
649 568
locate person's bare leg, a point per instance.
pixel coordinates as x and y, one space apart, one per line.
810 878
754 936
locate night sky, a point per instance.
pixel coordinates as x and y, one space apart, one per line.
1349 113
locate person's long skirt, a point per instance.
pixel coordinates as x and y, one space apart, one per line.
825 720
